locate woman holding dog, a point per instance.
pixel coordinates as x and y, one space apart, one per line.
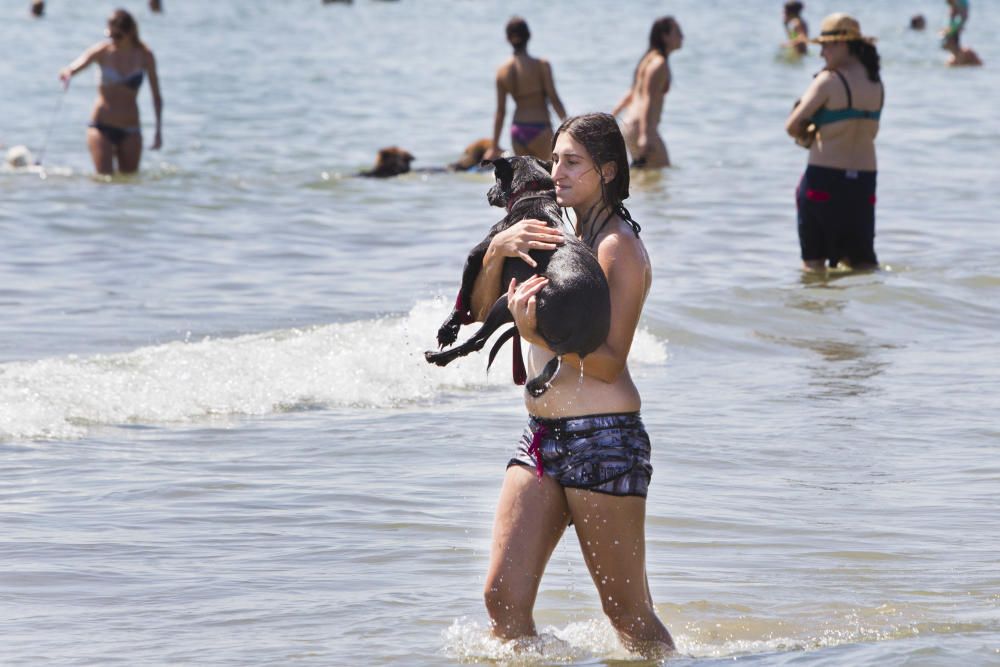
838 119
585 456
529 81
114 133
643 102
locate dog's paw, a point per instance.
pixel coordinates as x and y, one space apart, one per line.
447 335
536 388
438 358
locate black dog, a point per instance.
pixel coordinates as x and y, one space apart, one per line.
573 309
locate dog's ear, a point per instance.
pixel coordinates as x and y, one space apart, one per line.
503 169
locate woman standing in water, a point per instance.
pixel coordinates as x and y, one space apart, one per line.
837 119
529 81
644 100
114 132
796 28
585 455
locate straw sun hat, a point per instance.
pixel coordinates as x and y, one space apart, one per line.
840 28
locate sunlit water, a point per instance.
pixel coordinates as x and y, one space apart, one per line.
221 445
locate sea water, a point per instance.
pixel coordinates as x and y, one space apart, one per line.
220 443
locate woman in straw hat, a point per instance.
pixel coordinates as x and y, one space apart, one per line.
837 119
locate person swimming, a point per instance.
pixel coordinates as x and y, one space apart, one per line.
530 83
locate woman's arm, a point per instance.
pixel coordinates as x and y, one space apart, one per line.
154 87
625 265
515 241
498 116
815 97
549 85
625 101
86 58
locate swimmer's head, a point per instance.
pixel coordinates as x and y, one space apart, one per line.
918 22
793 9
518 33
122 26
599 135
665 35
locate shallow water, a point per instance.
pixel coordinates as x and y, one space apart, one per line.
221 444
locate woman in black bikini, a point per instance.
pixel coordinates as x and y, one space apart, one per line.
114 131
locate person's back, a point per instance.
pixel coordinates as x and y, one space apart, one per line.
849 143
529 82
524 78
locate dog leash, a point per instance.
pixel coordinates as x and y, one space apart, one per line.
52 121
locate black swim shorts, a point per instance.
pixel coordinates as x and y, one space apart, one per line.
837 215
603 453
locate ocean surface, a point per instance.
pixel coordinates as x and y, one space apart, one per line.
220 444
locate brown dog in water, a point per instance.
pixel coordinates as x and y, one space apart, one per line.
391 161
394 161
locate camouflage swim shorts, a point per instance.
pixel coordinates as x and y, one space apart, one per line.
603 453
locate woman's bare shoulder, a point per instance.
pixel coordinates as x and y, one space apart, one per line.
622 243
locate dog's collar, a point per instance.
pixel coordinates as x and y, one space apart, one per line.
536 185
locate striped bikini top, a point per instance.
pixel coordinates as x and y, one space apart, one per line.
110 76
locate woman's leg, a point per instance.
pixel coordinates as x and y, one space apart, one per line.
531 517
612 536
656 153
129 153
101 151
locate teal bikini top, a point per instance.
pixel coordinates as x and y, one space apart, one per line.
826 116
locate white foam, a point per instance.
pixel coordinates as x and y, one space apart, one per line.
371 363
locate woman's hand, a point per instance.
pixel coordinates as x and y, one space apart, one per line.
65 75
492 153
157 142
522 304
521 238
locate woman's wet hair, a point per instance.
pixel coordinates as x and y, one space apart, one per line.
517 32
123 21
793 8
662 27
868 55
598 133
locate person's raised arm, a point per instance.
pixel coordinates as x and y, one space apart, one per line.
548 82
814 98
154 87
86 58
